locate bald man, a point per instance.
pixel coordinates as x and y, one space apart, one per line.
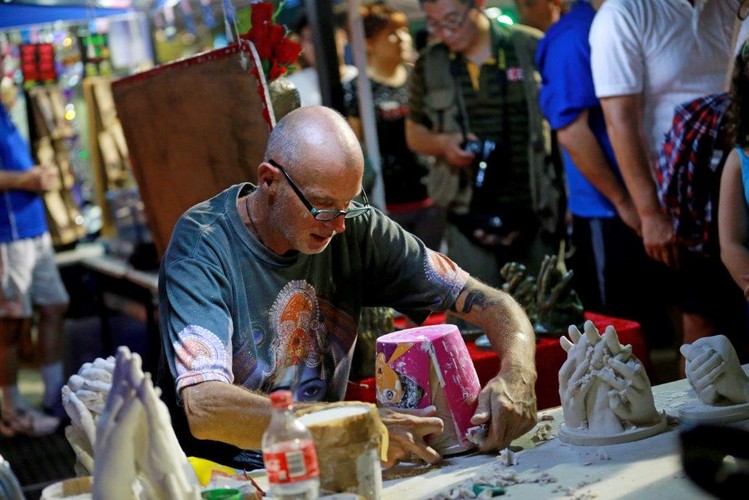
261 289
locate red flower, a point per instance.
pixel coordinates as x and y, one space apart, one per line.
277 34
287 51
276 71
262 13
276 51
264 50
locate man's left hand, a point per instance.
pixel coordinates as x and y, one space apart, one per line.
407 430
509 401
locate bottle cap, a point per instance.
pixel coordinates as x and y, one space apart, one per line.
281 399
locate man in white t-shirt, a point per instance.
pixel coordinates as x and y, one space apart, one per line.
648 56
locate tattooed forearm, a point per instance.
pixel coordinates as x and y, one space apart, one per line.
478 298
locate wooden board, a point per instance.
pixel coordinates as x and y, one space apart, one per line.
193 128
110 167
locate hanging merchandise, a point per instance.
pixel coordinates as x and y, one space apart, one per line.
38 64
54 136
95 51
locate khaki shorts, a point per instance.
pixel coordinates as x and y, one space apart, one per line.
29 277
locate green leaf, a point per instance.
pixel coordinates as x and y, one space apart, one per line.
278 10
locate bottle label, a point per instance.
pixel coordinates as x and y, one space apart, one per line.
291 466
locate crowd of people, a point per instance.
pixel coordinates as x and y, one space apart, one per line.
520 137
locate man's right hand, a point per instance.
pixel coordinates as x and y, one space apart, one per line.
660 240
37 179
407 430
454 153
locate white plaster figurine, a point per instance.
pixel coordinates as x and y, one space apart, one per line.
134 446
604 389
84 398
714 371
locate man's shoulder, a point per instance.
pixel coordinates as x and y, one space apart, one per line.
573 28
207 211
433 60
433 49
632 10
627 4
525 39
529 33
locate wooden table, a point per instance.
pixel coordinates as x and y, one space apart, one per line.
549 359
646 469
115 276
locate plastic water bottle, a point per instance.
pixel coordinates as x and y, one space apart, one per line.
289 453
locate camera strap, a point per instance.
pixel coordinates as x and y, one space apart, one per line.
462 118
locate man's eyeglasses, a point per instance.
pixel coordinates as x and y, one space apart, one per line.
325 215
452 23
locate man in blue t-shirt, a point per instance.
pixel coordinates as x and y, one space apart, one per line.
261 288
29 281
609 261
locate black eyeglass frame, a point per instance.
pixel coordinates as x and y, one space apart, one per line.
451 26
323 215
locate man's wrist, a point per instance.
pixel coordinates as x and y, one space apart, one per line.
516 368
19 181
443 139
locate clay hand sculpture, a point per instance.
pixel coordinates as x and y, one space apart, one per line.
83 398
135 440
81 433
714 371
604 390
521 286
114 472
630 395
584 397
557 304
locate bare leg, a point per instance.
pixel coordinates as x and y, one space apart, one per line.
50 352
696 326
27 351
10 333
50 344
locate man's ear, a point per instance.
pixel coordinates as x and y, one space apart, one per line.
266 174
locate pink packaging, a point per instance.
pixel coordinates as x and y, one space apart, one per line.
430 365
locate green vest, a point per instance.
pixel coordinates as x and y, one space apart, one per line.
453 189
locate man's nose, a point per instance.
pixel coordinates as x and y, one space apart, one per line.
338 224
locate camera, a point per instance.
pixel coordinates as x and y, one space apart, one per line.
482 149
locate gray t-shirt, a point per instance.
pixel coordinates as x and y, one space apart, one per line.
233 311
